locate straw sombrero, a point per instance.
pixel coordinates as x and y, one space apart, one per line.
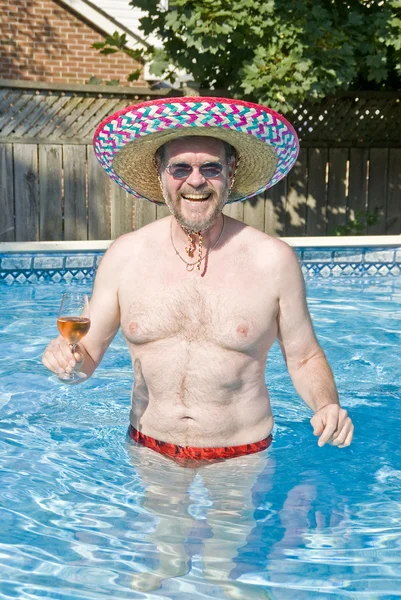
125 143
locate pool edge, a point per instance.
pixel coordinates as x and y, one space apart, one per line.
365 241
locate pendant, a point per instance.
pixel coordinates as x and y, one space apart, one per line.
190 267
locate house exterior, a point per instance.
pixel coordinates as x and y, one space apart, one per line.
51 41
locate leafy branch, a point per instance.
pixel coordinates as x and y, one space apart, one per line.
118 43
272 51
359 224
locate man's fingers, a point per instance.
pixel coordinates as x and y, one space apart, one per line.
341 434
333 426
328 431
318 429
348 439
46 363
67 354
59 358
50 362
317 424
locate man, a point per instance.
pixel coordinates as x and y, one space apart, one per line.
201 297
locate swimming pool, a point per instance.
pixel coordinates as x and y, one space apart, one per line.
84 515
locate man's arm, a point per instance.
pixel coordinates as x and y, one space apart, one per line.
105 321
305 359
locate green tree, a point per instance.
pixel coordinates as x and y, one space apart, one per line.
279 52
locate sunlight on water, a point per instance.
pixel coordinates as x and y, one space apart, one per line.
86 515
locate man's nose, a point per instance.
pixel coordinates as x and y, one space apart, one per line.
195 178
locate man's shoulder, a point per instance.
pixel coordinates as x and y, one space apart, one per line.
130 244
267 248
129 250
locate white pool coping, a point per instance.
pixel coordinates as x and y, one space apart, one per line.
365 241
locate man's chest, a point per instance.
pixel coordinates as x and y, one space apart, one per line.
233 312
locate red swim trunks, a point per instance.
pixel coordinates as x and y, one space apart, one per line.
190 453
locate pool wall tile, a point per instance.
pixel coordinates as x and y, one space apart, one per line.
48 266
318 255
348 255
48 262
379 256
16 263
28 267
79 261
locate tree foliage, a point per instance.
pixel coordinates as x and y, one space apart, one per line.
279 52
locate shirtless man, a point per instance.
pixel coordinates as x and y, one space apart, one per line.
201 298
199 338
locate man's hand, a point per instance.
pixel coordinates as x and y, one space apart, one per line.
58 357
333 425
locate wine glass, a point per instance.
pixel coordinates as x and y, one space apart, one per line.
73 323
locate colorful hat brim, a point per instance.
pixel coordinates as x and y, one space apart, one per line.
125 143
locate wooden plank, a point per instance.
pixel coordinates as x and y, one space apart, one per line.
26 192
316 211
235 210
295 221
106 90
51 128
50 191
76 141
377 188
74 115
6 105
78 125
14 108
162 212
357 191
35 115
393 208
7 228
254 212
98 199
51 114
145 213
3 95
275 203
75 219
19 117
121 211
336 192
111 106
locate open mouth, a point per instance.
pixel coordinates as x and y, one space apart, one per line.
196 197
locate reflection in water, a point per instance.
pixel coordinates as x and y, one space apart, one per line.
311 521
215 527
225 514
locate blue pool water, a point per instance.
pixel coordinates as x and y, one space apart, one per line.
85 515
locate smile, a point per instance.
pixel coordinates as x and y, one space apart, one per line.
196 197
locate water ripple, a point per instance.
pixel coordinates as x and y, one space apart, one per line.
87 515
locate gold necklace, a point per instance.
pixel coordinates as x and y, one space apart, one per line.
189 251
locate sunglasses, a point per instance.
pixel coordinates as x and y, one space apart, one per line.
183 170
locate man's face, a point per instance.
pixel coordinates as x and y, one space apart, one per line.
195 201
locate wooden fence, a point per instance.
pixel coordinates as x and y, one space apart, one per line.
52 187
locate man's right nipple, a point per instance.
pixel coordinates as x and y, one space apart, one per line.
133 327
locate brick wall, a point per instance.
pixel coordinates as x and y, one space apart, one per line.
40 40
